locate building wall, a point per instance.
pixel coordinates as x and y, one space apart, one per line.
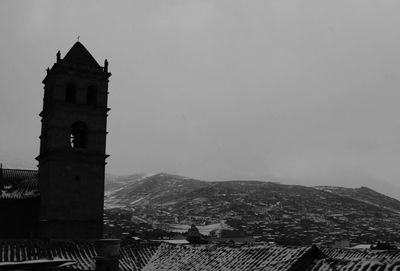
18 217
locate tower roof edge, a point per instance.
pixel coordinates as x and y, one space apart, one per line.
78 54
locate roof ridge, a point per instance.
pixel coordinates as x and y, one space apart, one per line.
78 54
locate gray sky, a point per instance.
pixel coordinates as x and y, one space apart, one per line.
303 92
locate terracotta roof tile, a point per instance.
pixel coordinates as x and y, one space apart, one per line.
354 254
357 260
82 253
8 175
355 265
158 257
18 184
133 257
216 257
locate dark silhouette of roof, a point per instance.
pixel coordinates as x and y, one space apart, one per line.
18 183
9 175
133 257
78 54
166 257
357 260
222 257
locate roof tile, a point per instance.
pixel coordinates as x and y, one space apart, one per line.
18 184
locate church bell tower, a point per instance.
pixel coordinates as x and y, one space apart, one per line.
72 146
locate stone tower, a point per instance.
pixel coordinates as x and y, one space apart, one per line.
72 147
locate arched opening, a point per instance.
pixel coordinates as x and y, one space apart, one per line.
70 93
91 95
78 136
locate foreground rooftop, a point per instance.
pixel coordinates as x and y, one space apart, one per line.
161 256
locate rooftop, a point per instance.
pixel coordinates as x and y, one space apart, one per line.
18 184
78 54
159 257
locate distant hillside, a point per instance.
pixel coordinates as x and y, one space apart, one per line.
156 188
364 194
113 183
271 210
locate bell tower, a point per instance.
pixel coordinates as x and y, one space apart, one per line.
72 146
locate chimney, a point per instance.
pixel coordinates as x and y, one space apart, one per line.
107 254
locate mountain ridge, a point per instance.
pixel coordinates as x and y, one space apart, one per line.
271 210
129 182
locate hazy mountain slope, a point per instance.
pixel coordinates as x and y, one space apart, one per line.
271 210
113 183
364 194
152 189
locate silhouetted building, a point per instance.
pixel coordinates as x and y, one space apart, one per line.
70 182
19 203
72 146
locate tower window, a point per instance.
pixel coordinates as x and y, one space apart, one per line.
91 95
78 137
70 93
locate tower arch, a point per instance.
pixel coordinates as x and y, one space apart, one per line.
79 135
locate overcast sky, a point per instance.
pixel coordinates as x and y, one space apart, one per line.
303 92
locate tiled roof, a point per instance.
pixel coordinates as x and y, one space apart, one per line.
356 265
9 175
133 256
355 254
43 264
217 257
18 184
82 253
357 260
156 257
